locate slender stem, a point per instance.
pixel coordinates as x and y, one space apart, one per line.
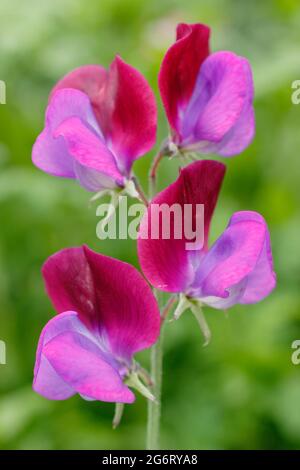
140 191
153 170
166 150
154 408
168 306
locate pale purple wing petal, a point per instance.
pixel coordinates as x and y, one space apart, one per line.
223 90
262 280
77 360
240 136
46 380
242 133
93 180
88 149
90 79
49 154
81 365
230 260
234 293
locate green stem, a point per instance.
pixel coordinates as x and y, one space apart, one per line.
154 407
153 171
140 191
164 151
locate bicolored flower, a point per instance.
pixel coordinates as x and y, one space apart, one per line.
98 122
236 269
207 97
107 313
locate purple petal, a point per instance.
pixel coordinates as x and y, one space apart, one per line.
221 101
234 293
91 80
46 380
93 180
240 136
49 154
236 258
263 278
110 296
124 106
167 263
237 139
76 360
88 149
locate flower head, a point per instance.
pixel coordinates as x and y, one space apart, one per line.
98 122
107 313
207 97
238 268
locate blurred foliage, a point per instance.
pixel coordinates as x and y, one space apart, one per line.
242 391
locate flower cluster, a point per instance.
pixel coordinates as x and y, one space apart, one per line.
106 314
98 122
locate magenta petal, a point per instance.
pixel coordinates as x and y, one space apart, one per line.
166 262
180 68
236 140
88 149
109 295
240 136
68 348
126 304
131 116
80 364
52 156
46 380
221 101
91 80
49 154
262 280
93 180
242 133
224 271
124 106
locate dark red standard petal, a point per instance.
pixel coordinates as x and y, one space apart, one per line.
110 296
167 262
180 68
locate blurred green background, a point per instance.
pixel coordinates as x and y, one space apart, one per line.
242 391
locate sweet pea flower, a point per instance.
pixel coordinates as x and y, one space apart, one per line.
106 314
98 122
207 97
237 269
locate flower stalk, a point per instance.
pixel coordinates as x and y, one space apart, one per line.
154 407
167 149
139 190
